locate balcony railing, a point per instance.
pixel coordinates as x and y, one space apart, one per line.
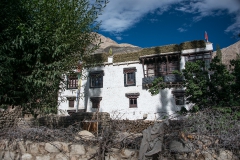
174 78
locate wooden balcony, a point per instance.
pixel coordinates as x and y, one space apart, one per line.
171 78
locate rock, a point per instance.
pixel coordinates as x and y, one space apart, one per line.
74 157
111 156
65 147
1 154
180 147
33 148
41 148
127 153
54 147
61 156
86 135
225 154
91 150
22 147
27 156
9 155
78 149
45 157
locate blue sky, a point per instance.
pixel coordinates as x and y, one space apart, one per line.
148 23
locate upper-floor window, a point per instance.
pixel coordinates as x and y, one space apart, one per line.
96 79
129 76
72 81
206 57
162 68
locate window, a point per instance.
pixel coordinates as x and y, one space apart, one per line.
72 82
129 76
162 67
206 57
150 70
132 99
96 102
179 97
96 79
71 101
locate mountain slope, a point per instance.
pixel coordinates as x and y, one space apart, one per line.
229 53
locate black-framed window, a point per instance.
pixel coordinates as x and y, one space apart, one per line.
179 97
71 101
129 76
132 102
96 102
132 99
96 79
72 81
206 57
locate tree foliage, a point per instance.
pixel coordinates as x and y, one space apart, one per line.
213 87
40 41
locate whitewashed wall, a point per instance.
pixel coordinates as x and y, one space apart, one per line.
113 96
113 93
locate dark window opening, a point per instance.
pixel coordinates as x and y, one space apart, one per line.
72 82
71 101
132 102
162 66
206 57
179 97
96 102
132 99
96 79
129 76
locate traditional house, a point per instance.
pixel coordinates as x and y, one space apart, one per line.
118 84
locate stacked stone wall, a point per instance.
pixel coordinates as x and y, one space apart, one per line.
58 150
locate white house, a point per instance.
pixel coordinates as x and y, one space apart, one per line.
119 84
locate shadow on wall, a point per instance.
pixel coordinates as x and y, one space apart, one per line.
91 92
167 104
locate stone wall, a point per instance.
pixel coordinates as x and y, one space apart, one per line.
20 150
57 150
9 117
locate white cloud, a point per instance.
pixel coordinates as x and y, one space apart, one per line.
182 29
204 8
120 15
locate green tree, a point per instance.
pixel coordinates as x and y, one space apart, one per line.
213 87
219 53
39 42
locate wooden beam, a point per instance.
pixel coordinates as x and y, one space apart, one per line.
143 67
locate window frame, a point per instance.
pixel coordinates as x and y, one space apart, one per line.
95 102
94 76
126 72
132 98
71 102
72 81
206 57
179 96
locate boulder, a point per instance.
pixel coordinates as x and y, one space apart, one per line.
27 156
78 149
86 135
180 146
54 147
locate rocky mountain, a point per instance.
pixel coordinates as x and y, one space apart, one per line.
107 43
229 53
